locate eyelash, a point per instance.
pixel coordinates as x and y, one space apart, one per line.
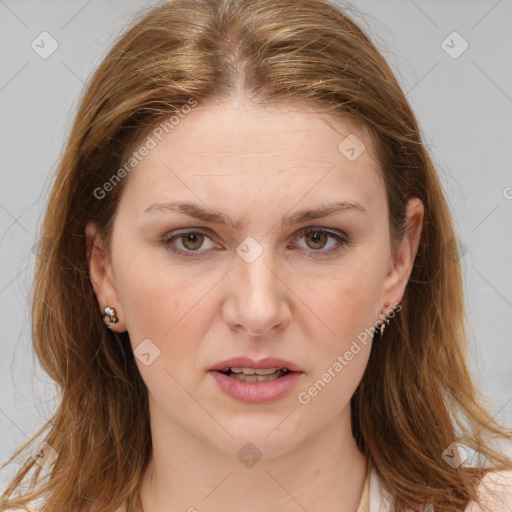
341 238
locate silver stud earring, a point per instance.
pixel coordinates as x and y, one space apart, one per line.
110 316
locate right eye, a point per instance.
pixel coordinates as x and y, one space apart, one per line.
190 240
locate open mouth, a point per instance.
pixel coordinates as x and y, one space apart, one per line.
256 385
255 375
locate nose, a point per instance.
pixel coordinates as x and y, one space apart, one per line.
257 299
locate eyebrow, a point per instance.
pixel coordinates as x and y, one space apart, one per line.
207 215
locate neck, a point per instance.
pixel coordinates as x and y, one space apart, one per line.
325 472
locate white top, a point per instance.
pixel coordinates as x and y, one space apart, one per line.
495 490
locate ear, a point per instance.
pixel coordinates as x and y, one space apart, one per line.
402 262
102 275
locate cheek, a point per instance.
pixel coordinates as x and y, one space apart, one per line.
347 301
165 315
165 305
345 306
339 356
153 293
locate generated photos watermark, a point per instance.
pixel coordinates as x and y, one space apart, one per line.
144 149
304 397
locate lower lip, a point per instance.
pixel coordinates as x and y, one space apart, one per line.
256 392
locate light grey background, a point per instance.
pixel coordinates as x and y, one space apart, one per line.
464 106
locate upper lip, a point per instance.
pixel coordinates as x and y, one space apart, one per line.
247 362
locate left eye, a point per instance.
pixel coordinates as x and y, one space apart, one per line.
316 240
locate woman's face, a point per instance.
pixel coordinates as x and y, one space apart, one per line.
241 264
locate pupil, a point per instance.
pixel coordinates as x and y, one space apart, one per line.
192 238
317 238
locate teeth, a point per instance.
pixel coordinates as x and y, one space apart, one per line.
255 371
256 378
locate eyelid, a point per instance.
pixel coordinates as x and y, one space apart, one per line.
340 236
169 237
335 233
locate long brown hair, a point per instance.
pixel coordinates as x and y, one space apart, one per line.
416 397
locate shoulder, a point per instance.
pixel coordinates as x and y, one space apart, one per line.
495 490
27 509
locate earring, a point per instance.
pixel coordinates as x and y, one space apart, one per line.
111 313
383 326
385 322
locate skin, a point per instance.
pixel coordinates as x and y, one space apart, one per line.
255 164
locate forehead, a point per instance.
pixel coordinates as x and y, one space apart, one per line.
225 129
286 149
